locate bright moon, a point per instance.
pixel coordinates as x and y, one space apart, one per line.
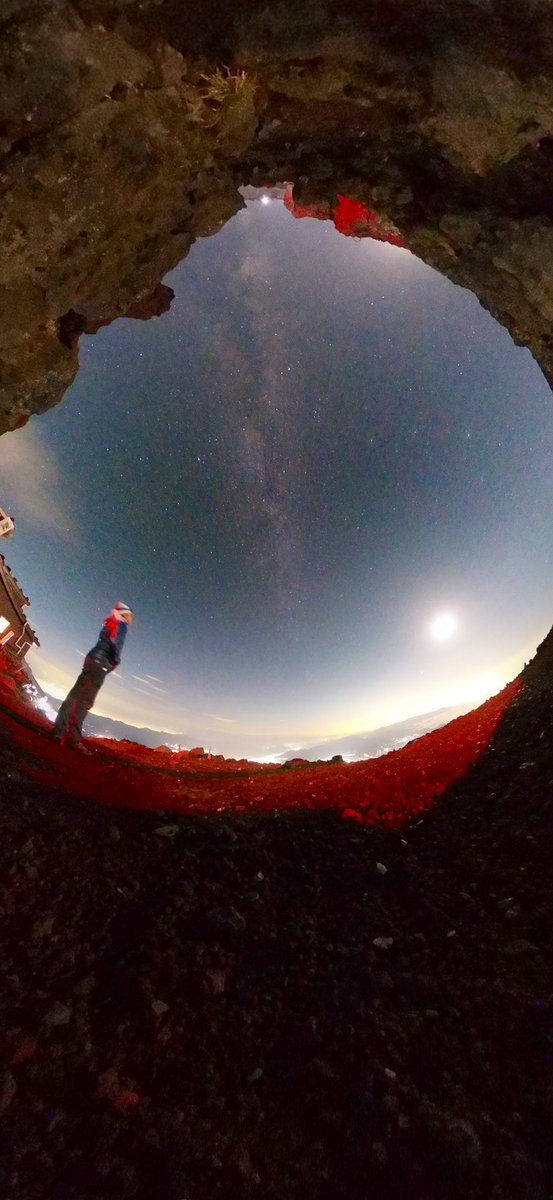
443 627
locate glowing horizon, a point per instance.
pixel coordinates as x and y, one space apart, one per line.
119 708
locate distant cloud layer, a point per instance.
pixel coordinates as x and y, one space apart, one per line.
146 679
31 482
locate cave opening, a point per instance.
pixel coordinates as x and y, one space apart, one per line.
321 477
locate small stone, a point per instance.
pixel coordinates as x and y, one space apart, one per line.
8 1088
225 833
383 943
323 1068
503 905
382 870
227 920
255 1075
85 986
391 1074
60 1014
452 933
167 831
215 982
380 1152
465 1139
521 946
24 1050
43 928
160 1007
114 833
242 1161
108 1084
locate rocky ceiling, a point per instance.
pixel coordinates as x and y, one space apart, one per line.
127 127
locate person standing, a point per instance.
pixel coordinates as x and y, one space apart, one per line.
104 657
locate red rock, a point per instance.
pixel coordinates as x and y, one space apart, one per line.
8 1088
26 1048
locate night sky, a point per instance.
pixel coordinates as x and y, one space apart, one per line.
321 448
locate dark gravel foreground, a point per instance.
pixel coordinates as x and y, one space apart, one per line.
197 1007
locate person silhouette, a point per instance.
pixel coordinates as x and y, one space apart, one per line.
104 657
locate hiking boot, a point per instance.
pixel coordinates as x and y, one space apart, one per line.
78 746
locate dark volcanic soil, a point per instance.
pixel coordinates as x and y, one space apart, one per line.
247 1004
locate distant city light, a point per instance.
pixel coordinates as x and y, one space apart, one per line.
41 702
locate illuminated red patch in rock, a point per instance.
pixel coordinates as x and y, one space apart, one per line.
320 212
351 217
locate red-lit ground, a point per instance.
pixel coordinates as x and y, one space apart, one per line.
215 986
388 790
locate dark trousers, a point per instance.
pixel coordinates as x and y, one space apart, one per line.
69 721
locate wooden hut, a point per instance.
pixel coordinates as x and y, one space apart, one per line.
15 632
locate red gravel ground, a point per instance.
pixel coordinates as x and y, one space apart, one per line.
387 790
212 985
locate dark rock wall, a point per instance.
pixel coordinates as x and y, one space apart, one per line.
127 126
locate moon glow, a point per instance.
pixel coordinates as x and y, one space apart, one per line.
443 627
